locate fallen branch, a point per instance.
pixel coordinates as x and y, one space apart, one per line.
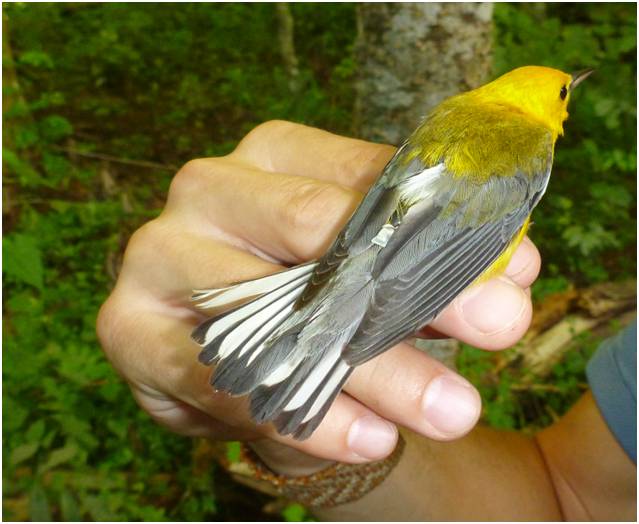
115 159
562 317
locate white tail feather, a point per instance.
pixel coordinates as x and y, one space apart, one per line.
255 324
221 297
283 370
239 341
217 328
313 380
266 328
327 390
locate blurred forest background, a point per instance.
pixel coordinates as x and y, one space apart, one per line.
103 102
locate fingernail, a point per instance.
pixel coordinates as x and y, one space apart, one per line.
493 307
451 405
371 437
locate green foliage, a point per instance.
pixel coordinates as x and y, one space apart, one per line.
75 439
233 451
133 81
514 399
167 83
23 260
586 224
155 71
296 513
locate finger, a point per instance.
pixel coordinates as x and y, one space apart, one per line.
166 361
492 315
291 218
189 261
295 149
154 352
412 389
524 266
523 269
186 420
350 432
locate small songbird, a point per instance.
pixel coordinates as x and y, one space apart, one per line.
448 210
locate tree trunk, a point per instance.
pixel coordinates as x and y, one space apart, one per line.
413 55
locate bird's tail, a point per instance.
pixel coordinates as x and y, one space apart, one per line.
291 385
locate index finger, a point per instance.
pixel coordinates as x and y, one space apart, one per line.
295 149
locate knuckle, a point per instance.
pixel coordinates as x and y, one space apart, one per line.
141 239
365 157
400 372
312 205
189 180
364 164
150 239
107 324
118 330
184 180
269 128
378 372
270 131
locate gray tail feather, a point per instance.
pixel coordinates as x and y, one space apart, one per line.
269 403
291 382
238 341
288 422
239 377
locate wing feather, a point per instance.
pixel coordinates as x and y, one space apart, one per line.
377 208
444 245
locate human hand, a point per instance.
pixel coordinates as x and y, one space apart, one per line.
281 198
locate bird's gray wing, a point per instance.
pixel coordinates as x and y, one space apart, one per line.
375 210
446 240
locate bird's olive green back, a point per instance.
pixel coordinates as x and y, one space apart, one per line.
481 140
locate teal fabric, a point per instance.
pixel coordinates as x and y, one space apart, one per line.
612 374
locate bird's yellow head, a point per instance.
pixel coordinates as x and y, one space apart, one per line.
539 92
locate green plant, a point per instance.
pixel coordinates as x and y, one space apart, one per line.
169 82
585 226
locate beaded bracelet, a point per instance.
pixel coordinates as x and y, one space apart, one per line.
337 484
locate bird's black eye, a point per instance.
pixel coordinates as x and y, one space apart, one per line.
563 93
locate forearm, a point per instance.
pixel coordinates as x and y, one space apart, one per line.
594 478
487 475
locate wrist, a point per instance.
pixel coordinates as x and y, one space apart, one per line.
331 486
287 461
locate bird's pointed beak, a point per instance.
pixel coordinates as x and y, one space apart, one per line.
578 78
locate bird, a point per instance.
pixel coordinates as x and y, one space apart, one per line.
447 212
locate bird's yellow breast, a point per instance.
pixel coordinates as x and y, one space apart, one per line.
500 264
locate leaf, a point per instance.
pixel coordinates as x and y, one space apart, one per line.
15 416
69 507
97 508
22 259
23 452
118 427
59 456
35 431
26 175
36 59
55 127
233 451
39 509
294 513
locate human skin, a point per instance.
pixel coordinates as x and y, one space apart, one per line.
280 199
574 471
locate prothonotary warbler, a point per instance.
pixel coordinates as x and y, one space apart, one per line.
448 210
